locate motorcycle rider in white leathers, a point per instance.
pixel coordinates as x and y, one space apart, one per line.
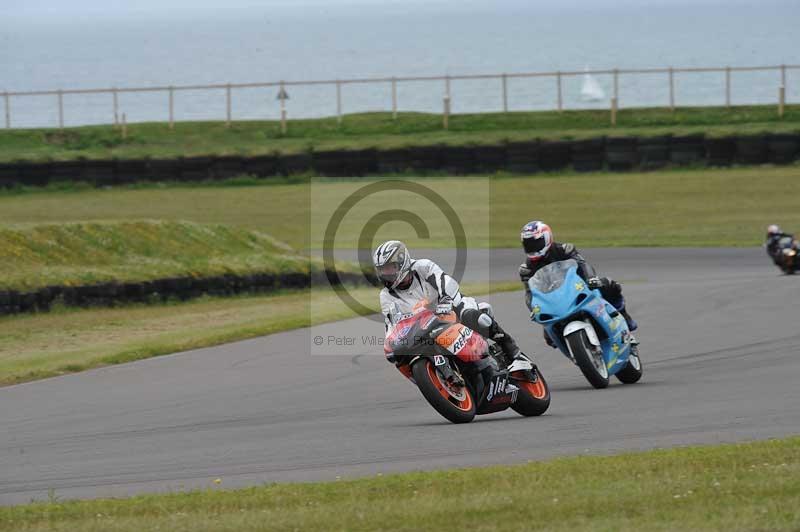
407 281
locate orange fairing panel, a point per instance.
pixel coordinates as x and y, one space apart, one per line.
463 342
449 337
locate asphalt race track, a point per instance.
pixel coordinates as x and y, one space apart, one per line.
720 348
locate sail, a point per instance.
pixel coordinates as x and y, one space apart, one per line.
591 90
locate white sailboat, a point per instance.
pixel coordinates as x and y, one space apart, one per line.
591 90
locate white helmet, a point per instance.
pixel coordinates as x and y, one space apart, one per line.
392 263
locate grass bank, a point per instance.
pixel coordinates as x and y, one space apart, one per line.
80 253
68 340
686 207
379 130
752 486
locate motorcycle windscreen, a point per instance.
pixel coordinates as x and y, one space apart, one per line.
551 277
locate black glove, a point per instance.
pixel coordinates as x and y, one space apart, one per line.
525 273
597 283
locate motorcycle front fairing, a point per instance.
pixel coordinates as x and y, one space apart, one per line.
568 303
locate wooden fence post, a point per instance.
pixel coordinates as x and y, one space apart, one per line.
728 87
116 105
228 105
560 96
172 107
7 99
671 89
338 102
394 98
60 109
613 111
505 93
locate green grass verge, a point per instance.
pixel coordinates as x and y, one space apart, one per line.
379 130
687 207
79 253
751 486
71 340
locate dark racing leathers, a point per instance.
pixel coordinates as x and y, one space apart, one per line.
774 247
428 282
609 289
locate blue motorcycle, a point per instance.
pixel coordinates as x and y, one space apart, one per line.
583 325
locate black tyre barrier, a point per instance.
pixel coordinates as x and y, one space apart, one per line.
393 161
423 158
299 163
37 175
196 168
622 154
653 152
522 157
99 172
67 171
227 167
720 152
163 169
554 155
262 166
751 149
588 155
458 160
345 163
130 170
783 148
489 159
619 154
689 149
183 288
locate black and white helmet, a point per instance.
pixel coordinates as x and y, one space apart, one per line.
392 263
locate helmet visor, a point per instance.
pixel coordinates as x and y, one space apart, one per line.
533 245
389 271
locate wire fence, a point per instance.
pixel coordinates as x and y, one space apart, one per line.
648 87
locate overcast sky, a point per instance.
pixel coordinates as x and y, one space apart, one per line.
79 8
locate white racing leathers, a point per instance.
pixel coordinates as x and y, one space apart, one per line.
431 283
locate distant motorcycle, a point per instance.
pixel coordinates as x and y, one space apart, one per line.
458 372
583 325
787 250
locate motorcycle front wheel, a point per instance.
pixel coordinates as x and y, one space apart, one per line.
533 398
591 364
454 403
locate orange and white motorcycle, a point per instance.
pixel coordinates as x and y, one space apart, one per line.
457 370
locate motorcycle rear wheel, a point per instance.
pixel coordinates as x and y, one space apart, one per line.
593 367
533 398
455 405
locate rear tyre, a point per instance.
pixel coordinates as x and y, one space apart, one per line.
593 366
454 403
533 398
632 371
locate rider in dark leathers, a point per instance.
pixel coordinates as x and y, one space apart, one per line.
772 244
541 250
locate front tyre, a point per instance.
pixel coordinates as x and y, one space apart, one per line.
533 397
454 403
592 364
632 371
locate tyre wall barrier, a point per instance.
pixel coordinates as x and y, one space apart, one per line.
616 154
113 294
